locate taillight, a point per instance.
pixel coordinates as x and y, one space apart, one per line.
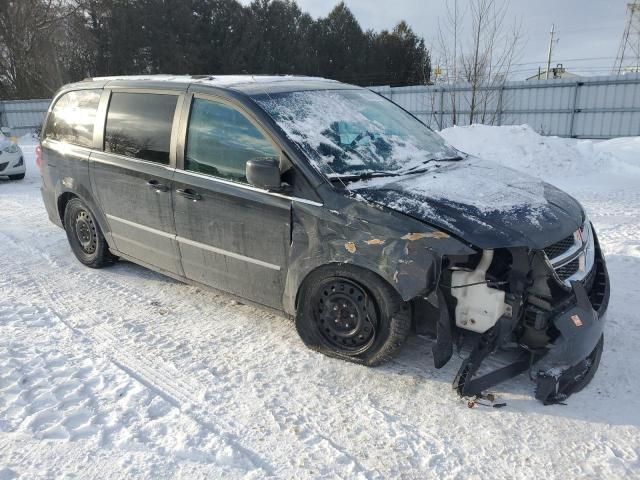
39 158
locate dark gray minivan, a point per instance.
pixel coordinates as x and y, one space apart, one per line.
337 207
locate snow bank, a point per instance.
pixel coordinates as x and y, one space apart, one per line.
550 158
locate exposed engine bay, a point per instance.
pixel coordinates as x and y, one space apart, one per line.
543 309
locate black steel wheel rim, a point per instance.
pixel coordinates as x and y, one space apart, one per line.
345 316
85 231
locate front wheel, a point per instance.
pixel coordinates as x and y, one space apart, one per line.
352 314
19 176
84 235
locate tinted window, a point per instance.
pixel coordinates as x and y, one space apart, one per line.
139 125
73 116
220 141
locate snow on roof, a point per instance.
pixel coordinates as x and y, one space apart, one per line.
214 80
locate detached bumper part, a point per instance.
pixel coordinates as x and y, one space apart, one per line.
554 386
567 364
573 358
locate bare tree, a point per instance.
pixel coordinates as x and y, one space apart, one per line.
484 61
28 34
449 47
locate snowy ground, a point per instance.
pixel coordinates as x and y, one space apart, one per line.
122 372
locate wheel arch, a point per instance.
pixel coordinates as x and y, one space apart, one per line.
350 266
63 198
62 201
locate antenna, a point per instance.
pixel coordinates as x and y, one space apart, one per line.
628 58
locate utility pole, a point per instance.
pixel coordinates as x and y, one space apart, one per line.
550 49
628 58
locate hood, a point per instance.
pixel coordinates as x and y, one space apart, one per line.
482 202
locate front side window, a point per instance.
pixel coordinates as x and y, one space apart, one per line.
354 132
220 141
139 125
73 117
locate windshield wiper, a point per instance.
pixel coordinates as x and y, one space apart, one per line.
419 169
383 173
362 176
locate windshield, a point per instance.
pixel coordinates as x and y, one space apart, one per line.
354 132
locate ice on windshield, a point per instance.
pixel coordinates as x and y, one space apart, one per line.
353 132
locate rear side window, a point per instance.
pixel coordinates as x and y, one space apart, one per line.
73 117
139 125
220 141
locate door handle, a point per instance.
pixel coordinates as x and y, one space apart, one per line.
188 193
157 186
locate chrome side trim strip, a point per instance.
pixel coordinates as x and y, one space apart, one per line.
141 227
249 187
129 159
193 243
227 253
147 247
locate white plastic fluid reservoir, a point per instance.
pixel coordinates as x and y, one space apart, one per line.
479 307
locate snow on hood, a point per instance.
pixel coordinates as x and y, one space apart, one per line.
485 203
450 181
554 159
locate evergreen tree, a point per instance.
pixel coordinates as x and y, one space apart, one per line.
45 43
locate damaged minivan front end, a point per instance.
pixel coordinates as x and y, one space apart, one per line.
549 312
533 305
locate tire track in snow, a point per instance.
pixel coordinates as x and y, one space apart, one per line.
153 373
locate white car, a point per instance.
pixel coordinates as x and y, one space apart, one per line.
11 158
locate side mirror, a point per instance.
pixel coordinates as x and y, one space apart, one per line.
264 172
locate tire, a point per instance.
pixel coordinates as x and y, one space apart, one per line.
19 176
352 314
85 237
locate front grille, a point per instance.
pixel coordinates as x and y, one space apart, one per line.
568 269
3 166
559 248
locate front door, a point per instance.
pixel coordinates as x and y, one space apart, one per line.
133 177
231 236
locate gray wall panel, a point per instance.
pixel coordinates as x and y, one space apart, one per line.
587 107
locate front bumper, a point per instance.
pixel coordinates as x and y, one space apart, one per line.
569 360
572 359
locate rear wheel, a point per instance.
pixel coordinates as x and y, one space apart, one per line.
352 314
84 235
19 176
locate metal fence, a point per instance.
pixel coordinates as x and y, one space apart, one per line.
584 107
23 116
